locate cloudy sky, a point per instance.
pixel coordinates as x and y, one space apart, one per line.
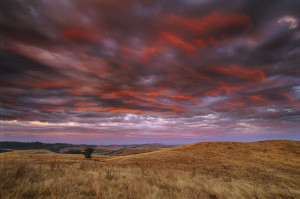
144 71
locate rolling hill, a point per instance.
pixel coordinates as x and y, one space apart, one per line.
266 169
267 164
75 148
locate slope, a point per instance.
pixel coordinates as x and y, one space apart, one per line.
275 163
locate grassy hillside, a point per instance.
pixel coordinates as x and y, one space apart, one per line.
269 169
270 166
259 160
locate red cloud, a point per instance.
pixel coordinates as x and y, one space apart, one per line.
206 31
193 73
177 41
212 23
53 109
259 99
235 103
48 84
183 97
131 96
242 73
287 96
206 43
296 104
270 98
144 54
85 104
218 91
78 35
185 75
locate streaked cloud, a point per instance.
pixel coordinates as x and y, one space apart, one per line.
150 70
291 21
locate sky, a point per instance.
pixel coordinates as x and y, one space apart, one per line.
149 71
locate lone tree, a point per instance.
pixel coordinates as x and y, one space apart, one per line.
88 152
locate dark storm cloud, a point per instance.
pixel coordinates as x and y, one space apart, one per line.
17 66
150 68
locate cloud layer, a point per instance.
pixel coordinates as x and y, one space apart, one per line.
143 71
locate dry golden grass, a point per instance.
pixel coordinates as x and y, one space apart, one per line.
268 169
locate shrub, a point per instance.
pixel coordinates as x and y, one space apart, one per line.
88 152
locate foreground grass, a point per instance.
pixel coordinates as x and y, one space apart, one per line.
204 170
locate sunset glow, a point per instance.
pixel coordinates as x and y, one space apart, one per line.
120 72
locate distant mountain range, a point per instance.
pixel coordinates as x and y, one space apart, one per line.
76 148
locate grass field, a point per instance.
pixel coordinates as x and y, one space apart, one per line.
269 169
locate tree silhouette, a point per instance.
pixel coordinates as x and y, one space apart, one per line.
88 152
